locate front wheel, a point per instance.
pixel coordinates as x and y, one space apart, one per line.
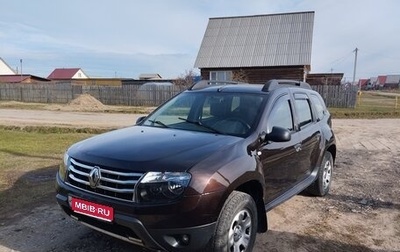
322 185
237 224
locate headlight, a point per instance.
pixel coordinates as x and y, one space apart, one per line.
64 167
156 187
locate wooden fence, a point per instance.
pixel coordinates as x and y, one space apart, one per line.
338 96
132 95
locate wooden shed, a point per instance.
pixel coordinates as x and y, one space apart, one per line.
257 48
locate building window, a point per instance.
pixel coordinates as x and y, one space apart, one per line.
221 75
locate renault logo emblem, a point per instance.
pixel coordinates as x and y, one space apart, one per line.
94 177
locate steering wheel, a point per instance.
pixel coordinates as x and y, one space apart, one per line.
235 125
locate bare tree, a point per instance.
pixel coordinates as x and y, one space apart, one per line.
186 79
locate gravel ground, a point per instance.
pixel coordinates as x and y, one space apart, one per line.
361 213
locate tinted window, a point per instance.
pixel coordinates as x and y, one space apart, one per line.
281 114
303 109
319 106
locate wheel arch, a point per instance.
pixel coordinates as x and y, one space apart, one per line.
255 190
332 150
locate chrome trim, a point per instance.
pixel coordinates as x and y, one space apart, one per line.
109 181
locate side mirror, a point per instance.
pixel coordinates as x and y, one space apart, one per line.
140 119
278 134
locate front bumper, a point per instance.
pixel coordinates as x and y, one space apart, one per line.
155 231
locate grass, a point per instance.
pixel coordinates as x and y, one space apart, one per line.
371 106
28 164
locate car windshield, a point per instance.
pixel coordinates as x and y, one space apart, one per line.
221 113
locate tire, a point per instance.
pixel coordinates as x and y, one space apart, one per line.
321 186
236 228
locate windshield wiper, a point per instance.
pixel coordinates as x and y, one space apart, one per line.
198 123
159 123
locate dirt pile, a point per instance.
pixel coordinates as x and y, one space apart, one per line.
86 102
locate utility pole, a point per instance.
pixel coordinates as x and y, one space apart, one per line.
355 68
20 61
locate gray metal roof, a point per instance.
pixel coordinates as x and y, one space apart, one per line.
257 41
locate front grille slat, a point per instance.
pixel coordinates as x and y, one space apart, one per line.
113 184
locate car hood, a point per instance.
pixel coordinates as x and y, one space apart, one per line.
142 148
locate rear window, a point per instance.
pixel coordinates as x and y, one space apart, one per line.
319 106
303 108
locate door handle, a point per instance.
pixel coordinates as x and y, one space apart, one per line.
297 147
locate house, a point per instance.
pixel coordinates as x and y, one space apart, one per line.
363 83
5 69
372 83
380 82
392 82
324 78
257 48
24 78
67 74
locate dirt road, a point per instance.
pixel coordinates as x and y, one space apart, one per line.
361 213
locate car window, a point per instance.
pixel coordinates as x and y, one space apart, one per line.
319 106
303 109
281 114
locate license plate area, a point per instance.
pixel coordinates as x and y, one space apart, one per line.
91 209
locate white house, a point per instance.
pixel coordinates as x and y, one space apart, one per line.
5 69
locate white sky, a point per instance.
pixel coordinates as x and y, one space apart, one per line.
125 38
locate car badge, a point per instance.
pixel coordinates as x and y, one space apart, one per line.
94 177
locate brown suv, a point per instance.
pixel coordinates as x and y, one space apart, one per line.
202 170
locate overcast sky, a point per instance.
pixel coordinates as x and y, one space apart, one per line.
125 38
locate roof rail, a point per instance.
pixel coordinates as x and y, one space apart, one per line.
275 84
205 83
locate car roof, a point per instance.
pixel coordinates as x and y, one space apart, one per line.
238 87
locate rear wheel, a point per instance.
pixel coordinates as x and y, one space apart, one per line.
237 224
321 186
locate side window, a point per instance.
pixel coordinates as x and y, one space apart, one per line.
303 109
281 114
319 106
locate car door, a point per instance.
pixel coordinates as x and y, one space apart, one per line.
310 134
280 160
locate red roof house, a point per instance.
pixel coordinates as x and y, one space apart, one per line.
67 74
380 82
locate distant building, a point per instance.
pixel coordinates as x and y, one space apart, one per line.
24 78
363 83
5 69
257 48
67 74
151 76
392 82
380 82
324 78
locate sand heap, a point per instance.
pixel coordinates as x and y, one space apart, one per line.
86 102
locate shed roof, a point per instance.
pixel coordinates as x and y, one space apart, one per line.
257 41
